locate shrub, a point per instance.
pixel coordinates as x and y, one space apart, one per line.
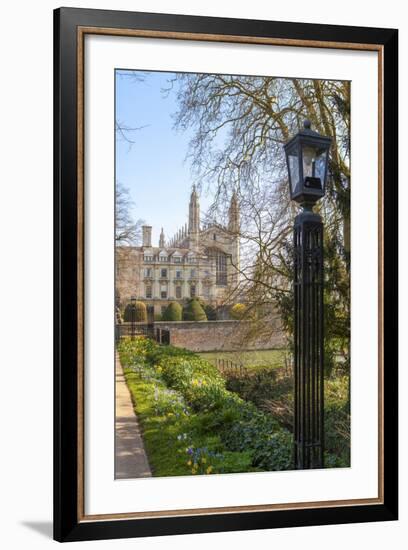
275 452
337 422
173 312
252 430
261 386
194 311
238 311
211 312
140 312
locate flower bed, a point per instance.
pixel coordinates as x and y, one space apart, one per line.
191 423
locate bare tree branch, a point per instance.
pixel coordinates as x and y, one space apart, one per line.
127 231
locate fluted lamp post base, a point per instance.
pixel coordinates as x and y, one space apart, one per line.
308 341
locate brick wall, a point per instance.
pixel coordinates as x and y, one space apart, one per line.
221 335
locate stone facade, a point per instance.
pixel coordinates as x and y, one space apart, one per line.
198 262
128 273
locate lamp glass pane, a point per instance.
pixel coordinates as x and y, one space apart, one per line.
294 170
320 164
314 162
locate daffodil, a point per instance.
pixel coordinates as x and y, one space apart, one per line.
209 469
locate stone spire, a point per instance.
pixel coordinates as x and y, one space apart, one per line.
233 214
147 235
161 240
194 213
234 228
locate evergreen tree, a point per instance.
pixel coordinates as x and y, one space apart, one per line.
211 312
194 311
140 313
173 312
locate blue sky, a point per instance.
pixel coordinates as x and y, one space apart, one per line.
154 167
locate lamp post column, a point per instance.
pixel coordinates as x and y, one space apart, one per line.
307 155
308 340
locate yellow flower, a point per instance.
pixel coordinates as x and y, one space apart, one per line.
193 471
189 463
209 470
203 460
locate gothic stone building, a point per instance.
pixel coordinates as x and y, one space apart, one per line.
197 262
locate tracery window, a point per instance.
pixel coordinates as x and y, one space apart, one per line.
221 268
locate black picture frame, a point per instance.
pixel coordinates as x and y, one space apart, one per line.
67 523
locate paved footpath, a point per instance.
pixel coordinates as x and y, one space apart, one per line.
131 459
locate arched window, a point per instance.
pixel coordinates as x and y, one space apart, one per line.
220 259
221 269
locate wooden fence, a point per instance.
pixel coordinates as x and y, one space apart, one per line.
230 369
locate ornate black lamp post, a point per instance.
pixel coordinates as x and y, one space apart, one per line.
307 159
133 317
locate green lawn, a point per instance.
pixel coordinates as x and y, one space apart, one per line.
270 358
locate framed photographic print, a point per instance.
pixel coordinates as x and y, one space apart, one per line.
225 274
